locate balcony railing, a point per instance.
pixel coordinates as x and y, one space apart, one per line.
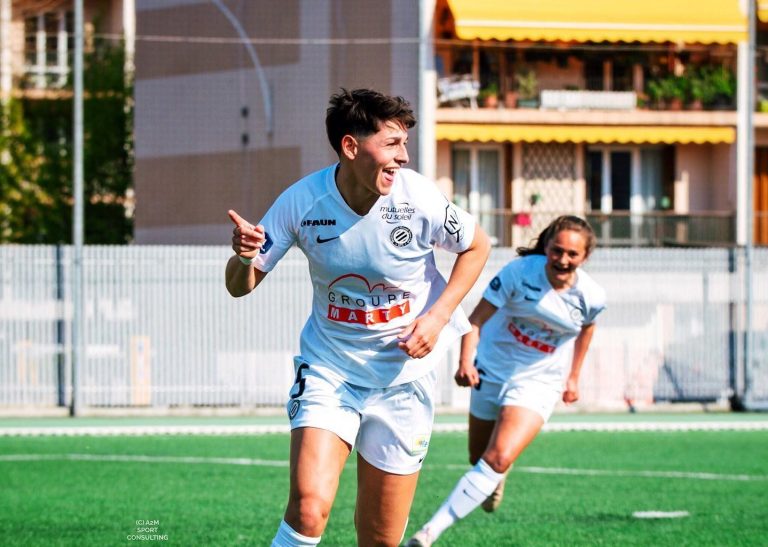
588 100
716 229
621 229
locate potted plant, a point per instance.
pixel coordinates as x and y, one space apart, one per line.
673 91
676 90
701 92
510 95
723 84
656 94
668 92
489 95
527 88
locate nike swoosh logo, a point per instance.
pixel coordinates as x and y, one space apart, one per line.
529 299
325 240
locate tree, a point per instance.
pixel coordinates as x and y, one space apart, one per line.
24 203
36 194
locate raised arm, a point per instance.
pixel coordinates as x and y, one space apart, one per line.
420 337
581 345
247 239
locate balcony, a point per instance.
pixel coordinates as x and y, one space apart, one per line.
713 229
586 77
623 229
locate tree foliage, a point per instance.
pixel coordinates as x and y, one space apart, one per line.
36 159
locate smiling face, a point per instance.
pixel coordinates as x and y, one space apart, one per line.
377 158
565 252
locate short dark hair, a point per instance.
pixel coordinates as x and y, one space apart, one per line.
565 222
361 111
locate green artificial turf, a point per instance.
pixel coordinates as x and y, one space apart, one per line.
552 496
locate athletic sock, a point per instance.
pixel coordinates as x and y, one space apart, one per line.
472 489
288 537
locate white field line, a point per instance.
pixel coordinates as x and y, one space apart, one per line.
628 473
284 463
141 459
223 429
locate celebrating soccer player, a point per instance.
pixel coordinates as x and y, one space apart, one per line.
537 318
381 315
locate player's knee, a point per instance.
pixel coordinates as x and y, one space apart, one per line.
500 462
310 513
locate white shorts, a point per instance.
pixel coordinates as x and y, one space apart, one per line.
390 427
488 397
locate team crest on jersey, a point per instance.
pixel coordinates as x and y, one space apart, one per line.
452 223
495 283
400 236
294 409
576 314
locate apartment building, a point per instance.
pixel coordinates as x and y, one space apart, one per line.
621 111
37 40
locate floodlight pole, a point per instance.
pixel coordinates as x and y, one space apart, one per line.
266 94
78 323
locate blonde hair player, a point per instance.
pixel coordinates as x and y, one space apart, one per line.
381 315
530 333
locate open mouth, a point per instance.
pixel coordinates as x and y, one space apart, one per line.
390 172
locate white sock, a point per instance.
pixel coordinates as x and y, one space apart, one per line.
472 489
288 537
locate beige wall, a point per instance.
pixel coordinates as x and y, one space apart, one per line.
216 46
705 174
203 143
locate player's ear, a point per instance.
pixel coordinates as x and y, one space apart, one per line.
349 146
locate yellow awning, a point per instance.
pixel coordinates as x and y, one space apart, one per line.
700 21
762 10
637 134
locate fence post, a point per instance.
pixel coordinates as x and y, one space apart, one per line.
736 400
61 379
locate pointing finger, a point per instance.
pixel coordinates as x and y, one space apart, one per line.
237 219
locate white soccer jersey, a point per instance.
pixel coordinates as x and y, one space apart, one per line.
532 333
371 275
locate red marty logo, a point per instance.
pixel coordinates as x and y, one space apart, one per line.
352 299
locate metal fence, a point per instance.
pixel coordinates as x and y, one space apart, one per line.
161 331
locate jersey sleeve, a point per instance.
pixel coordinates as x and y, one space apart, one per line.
503 286
280 229
596 306
453 229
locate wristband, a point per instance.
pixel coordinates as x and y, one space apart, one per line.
244 260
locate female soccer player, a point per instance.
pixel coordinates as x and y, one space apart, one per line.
531 330
381 315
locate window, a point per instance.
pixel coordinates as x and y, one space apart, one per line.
477 186
48 41
628 186
628 179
